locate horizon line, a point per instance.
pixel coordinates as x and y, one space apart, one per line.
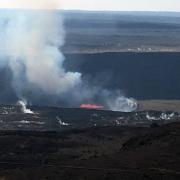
91 10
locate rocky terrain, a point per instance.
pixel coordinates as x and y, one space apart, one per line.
79 144
92 153
60 119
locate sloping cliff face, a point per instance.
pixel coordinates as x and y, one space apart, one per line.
138 75
142 76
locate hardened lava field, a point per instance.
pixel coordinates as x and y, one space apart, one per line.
61 143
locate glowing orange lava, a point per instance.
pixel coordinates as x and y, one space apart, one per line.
91 106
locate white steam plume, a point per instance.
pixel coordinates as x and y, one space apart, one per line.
22 106
123 104
31 42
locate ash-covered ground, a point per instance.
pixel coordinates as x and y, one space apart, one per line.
74 144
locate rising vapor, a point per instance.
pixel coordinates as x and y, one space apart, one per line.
30 46
31 43
21 105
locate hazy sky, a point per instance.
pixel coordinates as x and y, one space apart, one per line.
122 5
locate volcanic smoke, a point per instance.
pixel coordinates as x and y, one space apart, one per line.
30 46
31 42
22 107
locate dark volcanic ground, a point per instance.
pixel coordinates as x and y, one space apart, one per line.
79 144
92 154
96 32
60 119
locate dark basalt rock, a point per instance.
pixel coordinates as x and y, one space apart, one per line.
144 146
